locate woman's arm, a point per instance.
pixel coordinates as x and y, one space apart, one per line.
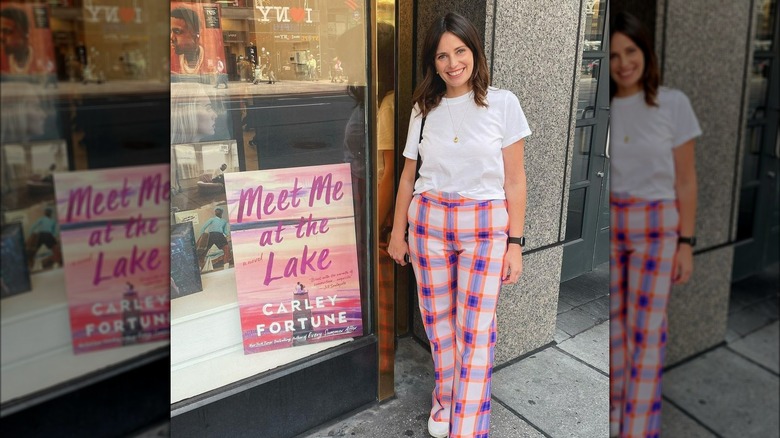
515 189
385 186
685 188
398 247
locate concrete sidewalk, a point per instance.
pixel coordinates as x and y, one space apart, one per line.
562 390
732 390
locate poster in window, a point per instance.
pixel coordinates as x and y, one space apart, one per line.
28 198
14 275
185 275
27 48
293 233
198 197
196 41
114 229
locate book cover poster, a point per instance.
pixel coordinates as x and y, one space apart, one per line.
196 38
293 233
27 47
198 196
27 174
14 275
185 275
115 229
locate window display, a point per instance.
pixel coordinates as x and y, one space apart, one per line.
270 165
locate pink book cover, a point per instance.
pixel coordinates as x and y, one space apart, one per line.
293 233
114 229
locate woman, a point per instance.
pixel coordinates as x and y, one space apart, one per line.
465 216
653 210
193 117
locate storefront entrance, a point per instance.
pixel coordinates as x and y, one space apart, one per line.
587 219
758 221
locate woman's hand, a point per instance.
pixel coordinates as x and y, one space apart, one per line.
398 248
513 264
683 265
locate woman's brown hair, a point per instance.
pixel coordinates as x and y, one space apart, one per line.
631 27
429 92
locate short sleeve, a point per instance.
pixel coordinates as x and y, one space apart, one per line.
686 126
413 137
515 123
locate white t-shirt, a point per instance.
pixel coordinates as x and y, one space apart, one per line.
641 141
474 166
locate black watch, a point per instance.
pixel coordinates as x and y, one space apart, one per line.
689 240
518 240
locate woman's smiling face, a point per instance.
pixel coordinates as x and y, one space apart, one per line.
626 64
454 64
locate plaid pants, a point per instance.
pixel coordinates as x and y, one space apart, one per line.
457 247
643 247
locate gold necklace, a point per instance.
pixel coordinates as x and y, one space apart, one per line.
23 67
185 67
455 139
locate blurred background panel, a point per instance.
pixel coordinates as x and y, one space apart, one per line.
84 86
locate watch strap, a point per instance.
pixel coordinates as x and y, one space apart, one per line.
688 240
518 240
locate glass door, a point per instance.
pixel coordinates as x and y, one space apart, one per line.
757 221
586 231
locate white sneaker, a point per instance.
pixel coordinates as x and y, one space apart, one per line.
438 429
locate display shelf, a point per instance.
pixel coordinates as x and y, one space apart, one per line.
207 352
35 341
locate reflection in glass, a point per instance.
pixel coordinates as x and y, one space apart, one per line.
594 24
197 53
385 172
292 93
589 75
765 25
758 87
752 160
581 156
32 151
193 115
575 215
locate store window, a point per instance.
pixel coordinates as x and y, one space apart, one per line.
270 174
84 89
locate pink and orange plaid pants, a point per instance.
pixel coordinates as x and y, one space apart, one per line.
643 247
457 248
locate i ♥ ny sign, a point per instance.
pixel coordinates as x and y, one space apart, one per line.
284 14
112 14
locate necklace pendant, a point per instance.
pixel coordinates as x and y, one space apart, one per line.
455 139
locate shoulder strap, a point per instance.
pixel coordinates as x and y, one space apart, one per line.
419 159
422 128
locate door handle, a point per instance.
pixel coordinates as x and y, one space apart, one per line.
606 151
771 174
604 108
600 174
